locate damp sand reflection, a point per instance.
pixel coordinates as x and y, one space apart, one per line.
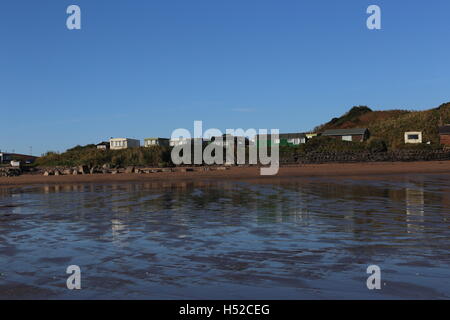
294 239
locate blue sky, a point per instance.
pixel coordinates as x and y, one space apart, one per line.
143 68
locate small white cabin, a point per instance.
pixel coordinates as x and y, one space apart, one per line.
413 137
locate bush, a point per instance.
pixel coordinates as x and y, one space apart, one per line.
91 156
329 144
376 145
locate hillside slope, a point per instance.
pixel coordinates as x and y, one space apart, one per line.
391 125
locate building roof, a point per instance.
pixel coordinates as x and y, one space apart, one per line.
345 132
287 135
292 135
18 155
189 139
444 129
103 143
123 139
227 136
156 139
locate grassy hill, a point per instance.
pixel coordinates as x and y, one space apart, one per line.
391 125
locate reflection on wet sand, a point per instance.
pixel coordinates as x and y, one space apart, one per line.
415 202
205 239
119 232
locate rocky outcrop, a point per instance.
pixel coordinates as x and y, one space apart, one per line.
10 172
83 169
129 170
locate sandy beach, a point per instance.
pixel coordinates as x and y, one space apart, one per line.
246 173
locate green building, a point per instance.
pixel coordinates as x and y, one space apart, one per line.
284 139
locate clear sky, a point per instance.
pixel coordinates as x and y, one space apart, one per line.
144 68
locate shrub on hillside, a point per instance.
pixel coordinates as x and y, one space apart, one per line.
329 144
91 156
376 145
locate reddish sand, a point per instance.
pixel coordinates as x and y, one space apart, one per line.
247 173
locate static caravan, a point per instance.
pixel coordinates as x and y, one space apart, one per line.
123 143
284 139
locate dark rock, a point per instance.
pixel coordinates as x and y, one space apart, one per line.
129 170
83 169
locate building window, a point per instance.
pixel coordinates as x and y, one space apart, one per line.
413 137
346 138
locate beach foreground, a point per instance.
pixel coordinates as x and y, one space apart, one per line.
246 173
287 238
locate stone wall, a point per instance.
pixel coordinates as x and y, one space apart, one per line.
403 155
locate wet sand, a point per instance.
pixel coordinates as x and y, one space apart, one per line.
246 173
297 238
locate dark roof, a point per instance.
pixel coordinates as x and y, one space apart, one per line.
292 135
444 129
287 135
345 132
229 136
103 143
18 155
